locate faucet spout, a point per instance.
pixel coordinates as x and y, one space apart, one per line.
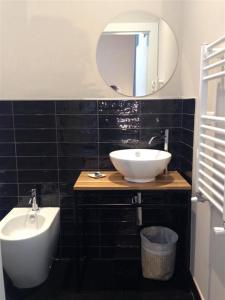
33 200
164 137
152 139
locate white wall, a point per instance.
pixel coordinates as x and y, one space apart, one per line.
49 47
203 21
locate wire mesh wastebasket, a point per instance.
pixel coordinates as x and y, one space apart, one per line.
158 252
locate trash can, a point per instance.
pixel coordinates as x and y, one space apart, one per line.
158 252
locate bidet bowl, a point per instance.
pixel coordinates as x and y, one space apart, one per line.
140 165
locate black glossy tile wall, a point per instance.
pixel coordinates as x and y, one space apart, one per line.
109 221
187 135
45 145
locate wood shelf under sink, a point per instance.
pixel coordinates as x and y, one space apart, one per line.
115 181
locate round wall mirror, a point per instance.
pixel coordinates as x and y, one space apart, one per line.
137 54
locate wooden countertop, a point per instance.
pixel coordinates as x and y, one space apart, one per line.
115 181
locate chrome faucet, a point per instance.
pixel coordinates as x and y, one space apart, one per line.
164 137
33 200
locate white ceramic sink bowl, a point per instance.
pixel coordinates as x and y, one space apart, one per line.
140 165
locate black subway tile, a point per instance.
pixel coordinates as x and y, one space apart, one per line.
7 149
120 252
34 121
67 251
8 190
187 137
186 169
67 202
5 107
67 227
67 240
68 175
119 135
73 162
187 152
8 176
35 135
7 162
161 106
33 107
3 213
120 122
93 240
91 214
36 149
6 122
105 163
119 107
76 107
31 163
92 228
67 214
93 252
120 240
188 122
77 121
6 136
117 214
121 228
78 149
161 120
175 163
77 135
175 148
8 202
35 176
66 189
189 106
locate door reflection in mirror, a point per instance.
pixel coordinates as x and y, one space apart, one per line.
137 58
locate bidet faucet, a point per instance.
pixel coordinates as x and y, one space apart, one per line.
33 200
164 137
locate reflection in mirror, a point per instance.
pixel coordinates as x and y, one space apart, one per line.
137 54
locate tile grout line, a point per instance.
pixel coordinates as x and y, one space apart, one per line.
15 149
59 197
57 151
98 145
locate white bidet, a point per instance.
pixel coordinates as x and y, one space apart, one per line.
28 241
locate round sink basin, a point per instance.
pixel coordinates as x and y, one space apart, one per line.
140 165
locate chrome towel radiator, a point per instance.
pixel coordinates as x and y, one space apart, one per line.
209 154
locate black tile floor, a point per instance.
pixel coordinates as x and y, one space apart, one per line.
103 281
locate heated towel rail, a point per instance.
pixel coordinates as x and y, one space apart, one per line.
209 157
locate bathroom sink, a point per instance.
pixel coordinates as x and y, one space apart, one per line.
140 165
